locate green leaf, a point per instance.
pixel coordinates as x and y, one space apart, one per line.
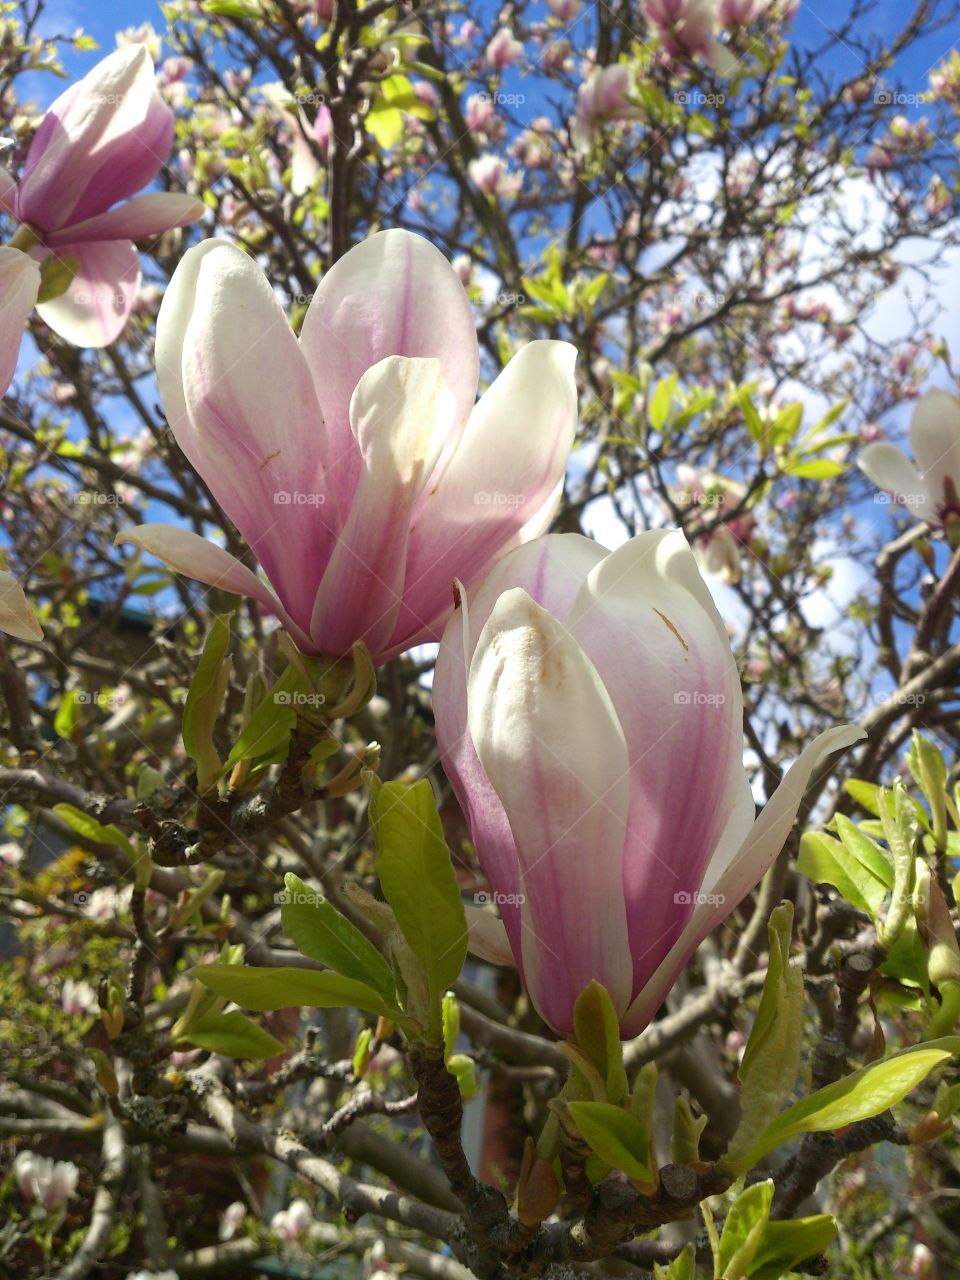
785 1244
825 861
419 882
617 1137
819 469
233 1035
68 713
322 933
265 989
597 1032
866 1093
204 697
658 410
867 852
741 1232
930 772
272 721
683 1267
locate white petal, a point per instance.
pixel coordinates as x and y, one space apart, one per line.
487 936
891 470
935 438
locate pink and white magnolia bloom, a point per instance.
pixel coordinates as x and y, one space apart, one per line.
355 460
930 487
40 1179
503 50
606 94
293 1222
19 286
104 139
590 720
686 27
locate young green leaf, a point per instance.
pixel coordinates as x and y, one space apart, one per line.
743 1228
322 933
233 1035
204 697
617 1137
824 860
866 1093
419 882
597 1033
267 989
783 1245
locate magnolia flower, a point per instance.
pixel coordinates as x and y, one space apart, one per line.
11 855
503 50
104 139
292 1223
685 26
77 998
304 166
232 1219
38 1178
605 95
19 286
479 113
589 717
565 10
354 461
930 490
490 174
16 616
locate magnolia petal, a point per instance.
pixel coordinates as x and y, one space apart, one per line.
393 294
149 215
647 620
400 414
496 481
891 470
735 871
195 557
566 796
487 938
17 617
551 569
240 401
95 308
80 130
935 439
19 285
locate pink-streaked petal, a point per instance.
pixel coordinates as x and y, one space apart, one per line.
935 439
551 570
103 139
487 938
647 621
401 413
16 614
394 294
891 470
238 396
144 216
19 285
735 871
195 557
508 465
95 308
566 795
